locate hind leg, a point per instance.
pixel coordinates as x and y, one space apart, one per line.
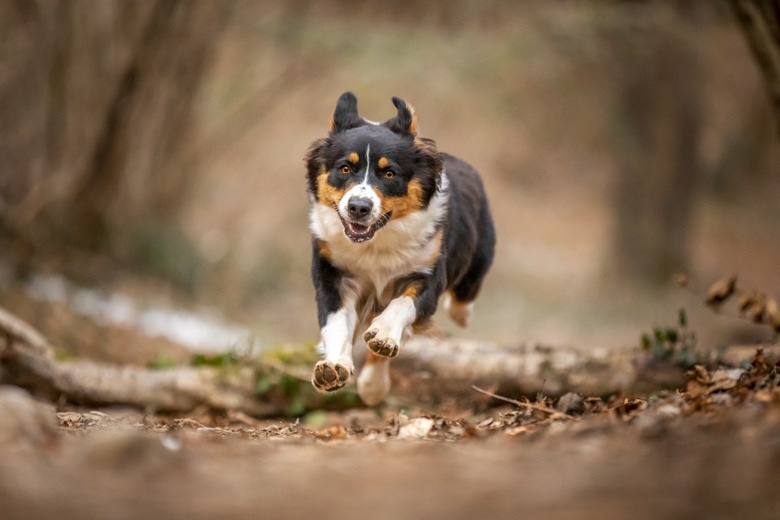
459 311
459 299
374 380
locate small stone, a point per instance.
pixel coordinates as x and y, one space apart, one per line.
667 411
651 426
721 398
416 428
571 403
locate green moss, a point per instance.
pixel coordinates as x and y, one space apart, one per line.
161 363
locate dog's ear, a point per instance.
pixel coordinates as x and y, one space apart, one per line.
405 121
346 114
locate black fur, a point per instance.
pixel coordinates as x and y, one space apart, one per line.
470 235
406 159
327 281
467 234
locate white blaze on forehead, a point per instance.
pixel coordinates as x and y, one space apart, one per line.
364 191
368 163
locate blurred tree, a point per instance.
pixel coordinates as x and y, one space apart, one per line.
760 23
97 100
657 131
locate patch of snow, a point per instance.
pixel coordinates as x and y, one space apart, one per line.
194 330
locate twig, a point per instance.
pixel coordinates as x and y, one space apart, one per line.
554 414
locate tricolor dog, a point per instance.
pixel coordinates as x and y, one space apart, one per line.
395 225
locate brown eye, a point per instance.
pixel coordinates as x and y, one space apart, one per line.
389 174
345 169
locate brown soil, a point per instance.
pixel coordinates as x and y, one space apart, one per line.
710 451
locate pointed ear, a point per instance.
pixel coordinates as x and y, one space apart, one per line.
346 114
406 120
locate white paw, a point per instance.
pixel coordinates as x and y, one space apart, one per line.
374 383
459 312
387 331
329 376
380 343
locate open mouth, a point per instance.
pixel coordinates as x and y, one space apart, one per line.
358 232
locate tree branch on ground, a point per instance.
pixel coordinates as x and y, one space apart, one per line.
430 372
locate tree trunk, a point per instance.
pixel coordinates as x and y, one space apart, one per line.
760 23
656 147
103 114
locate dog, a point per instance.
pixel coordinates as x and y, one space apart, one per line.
395 225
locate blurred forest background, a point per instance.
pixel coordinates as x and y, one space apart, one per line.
156 148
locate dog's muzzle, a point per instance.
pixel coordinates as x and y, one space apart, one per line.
357 226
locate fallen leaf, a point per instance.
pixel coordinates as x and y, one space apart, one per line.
756 312
722 379
700 374
695 389
773 314
332 433
517 430
757 363
748 300
720 291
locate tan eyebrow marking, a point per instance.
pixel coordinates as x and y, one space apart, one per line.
383 162
354 158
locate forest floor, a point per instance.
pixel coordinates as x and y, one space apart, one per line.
709 449
700 453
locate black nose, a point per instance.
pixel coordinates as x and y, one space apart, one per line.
359 207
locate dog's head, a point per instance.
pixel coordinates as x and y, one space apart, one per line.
371 172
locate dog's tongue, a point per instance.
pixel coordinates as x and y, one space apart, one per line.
358 232
358 229
361 233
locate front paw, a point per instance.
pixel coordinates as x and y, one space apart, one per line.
329 376
380 344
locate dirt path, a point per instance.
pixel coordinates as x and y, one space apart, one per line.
676 456
708 450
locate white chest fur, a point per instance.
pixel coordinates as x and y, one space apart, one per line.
405 245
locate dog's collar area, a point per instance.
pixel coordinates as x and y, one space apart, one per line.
357 232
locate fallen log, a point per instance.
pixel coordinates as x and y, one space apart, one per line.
27 360
438 370
428 372
172 390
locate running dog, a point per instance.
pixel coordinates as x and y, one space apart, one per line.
395 225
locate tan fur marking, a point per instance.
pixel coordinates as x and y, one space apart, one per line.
332 123
325 251
413 125
458 311
372 358
411 292
354 158
402 206
383 162
425 145
327 194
